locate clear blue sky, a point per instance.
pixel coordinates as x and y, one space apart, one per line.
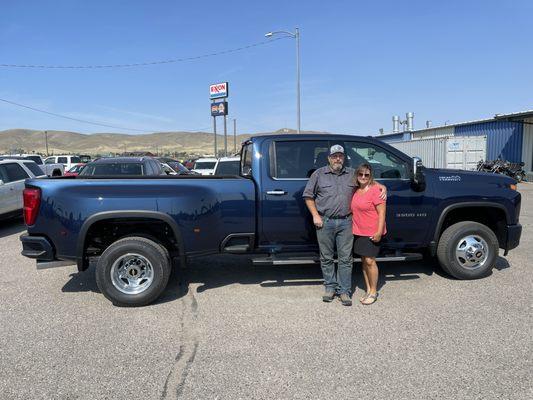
362 62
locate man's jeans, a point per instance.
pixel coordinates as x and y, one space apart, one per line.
336 232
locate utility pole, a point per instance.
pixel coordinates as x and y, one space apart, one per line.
46 141
234 136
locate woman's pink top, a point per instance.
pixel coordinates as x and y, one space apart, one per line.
365 215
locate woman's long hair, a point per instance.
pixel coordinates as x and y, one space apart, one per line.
362 168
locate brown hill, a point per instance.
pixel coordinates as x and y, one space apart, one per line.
190 143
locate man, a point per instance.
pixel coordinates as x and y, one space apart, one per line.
328 195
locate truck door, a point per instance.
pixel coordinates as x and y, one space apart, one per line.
408 211
13 176
284 219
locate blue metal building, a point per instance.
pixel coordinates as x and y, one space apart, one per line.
509 136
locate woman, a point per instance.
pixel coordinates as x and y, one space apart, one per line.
368 227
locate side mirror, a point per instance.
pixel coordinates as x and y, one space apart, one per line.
418 176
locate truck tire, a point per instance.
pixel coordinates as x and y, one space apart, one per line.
467 250
133 271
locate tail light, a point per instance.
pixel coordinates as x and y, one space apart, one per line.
32 201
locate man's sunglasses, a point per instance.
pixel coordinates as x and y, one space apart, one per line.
360 174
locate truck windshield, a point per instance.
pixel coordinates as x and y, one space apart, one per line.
112 169
205 165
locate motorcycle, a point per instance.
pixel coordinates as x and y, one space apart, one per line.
514 170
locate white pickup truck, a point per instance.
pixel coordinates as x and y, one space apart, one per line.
48 168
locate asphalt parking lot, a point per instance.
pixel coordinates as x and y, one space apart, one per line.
226 330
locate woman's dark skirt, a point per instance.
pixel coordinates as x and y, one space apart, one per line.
365 247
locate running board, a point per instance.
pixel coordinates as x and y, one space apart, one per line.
277 260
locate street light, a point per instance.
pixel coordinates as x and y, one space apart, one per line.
295 35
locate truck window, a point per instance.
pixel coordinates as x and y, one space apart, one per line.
75 160
50 160
385 164
37 159
297 159
34 168
228 168
62 160
14 172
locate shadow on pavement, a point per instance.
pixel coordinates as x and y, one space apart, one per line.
11 226
219 271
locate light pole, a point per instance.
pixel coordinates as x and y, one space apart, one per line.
295 35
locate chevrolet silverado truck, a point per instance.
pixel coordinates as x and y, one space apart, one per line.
137 228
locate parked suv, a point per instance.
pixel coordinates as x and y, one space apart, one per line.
205 166
123 166
67 161
13 173
49 169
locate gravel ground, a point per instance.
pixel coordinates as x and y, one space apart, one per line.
226 330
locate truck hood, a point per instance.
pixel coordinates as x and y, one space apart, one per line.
457 175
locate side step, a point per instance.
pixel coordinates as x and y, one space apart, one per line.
288 260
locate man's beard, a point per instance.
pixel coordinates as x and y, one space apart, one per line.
336 167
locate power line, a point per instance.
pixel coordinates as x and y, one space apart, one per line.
143 64
204 129
74 119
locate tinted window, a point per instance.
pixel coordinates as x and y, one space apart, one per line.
111 169
205 165
75 160
51 160
385 165
14 172
228 167
297 159
62 160
34 168
37 159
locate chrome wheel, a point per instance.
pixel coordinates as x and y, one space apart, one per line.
132 273
472 252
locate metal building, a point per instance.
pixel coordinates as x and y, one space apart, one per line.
507 136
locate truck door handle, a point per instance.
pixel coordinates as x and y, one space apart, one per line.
277 192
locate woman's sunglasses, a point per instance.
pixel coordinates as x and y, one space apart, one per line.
361 175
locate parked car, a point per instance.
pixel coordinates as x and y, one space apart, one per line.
49 169
67 161
122 166
13 173
178 167
134 228
228 166
75 170
205 166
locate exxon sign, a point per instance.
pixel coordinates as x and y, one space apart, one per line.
218 90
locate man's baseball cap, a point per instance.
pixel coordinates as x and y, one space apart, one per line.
336 148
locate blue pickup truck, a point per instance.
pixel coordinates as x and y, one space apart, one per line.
135 227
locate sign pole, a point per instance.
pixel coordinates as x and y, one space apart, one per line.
215 131
225 137
234 136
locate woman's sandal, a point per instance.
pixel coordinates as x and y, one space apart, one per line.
372 297
361 299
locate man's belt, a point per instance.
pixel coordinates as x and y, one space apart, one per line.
337 216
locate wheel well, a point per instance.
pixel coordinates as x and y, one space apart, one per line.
103 233
492 217
56 172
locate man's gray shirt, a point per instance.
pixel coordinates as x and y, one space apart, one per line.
332 192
